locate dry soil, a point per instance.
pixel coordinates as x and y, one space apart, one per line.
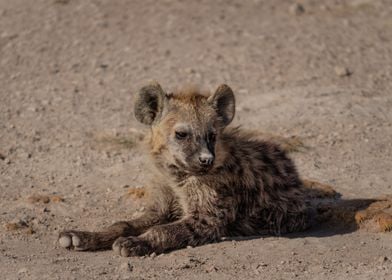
319 70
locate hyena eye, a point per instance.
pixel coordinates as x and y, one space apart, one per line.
181 135
211 137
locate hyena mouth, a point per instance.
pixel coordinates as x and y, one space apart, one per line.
179 168
176 171
201 170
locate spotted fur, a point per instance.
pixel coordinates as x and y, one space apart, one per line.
207 180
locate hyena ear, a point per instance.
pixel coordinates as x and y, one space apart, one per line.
149 103
223 102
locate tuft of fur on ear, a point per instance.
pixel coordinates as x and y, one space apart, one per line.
223 102
149 103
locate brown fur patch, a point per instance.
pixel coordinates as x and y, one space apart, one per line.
20 227
38 198
316 189
376 217
42 198
189 94
14 226
288 144
56 199
137 193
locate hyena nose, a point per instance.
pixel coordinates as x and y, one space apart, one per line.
206 159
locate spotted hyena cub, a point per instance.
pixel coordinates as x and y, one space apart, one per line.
209 180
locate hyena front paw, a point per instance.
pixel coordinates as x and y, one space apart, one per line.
131 246
77 240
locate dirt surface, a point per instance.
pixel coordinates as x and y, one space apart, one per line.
69 144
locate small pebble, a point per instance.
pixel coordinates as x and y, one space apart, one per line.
342 71
243 91
127 266
56 198
189 70
383 259
25 155
22 270
297 9
32 109
212 269
63 2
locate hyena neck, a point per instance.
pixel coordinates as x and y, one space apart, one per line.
168 173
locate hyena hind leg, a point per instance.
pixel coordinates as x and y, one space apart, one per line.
369 214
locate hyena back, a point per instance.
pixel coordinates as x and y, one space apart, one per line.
208 180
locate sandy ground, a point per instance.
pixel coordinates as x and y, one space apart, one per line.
67 132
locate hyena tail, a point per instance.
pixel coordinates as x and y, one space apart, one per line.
326 206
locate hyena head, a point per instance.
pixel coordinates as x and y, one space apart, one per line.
185 127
